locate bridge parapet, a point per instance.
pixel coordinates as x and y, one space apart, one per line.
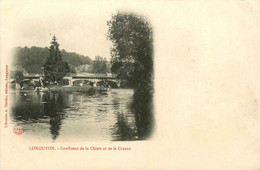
92 79
73 78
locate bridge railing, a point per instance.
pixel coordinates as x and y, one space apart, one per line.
77 77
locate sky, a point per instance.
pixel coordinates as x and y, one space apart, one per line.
83 34
80 26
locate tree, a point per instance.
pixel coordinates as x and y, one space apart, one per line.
55 68
17 73
32 59
132 52
99 65
132 60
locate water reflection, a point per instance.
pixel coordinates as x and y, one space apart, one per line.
143 109
53 108
75 116
124 129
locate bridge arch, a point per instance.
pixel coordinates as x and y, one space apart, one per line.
76 82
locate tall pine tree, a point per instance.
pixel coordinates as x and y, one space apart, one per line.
55 68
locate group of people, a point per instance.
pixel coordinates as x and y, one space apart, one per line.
105 84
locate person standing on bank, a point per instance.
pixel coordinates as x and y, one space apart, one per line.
81 85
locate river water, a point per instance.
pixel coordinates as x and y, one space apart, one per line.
61 117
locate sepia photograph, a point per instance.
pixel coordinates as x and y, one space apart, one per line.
99 88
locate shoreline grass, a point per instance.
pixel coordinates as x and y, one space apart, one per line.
70 89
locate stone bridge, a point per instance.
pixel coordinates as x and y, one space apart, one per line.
93 78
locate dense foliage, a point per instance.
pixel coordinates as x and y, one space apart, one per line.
32 59
132 61
17 74
132 52
55 68
99 65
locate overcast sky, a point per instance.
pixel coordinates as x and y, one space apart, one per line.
79 26
80 30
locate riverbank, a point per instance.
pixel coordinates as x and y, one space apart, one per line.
83 89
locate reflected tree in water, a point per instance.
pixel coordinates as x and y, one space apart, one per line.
110 115
143 109
124 130
27 111
141 126
49 106
54 109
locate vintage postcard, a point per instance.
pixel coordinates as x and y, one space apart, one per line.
130 84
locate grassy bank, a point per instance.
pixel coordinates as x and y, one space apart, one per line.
69 89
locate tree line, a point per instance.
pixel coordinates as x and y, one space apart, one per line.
30 60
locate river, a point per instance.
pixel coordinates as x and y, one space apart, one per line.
61 117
